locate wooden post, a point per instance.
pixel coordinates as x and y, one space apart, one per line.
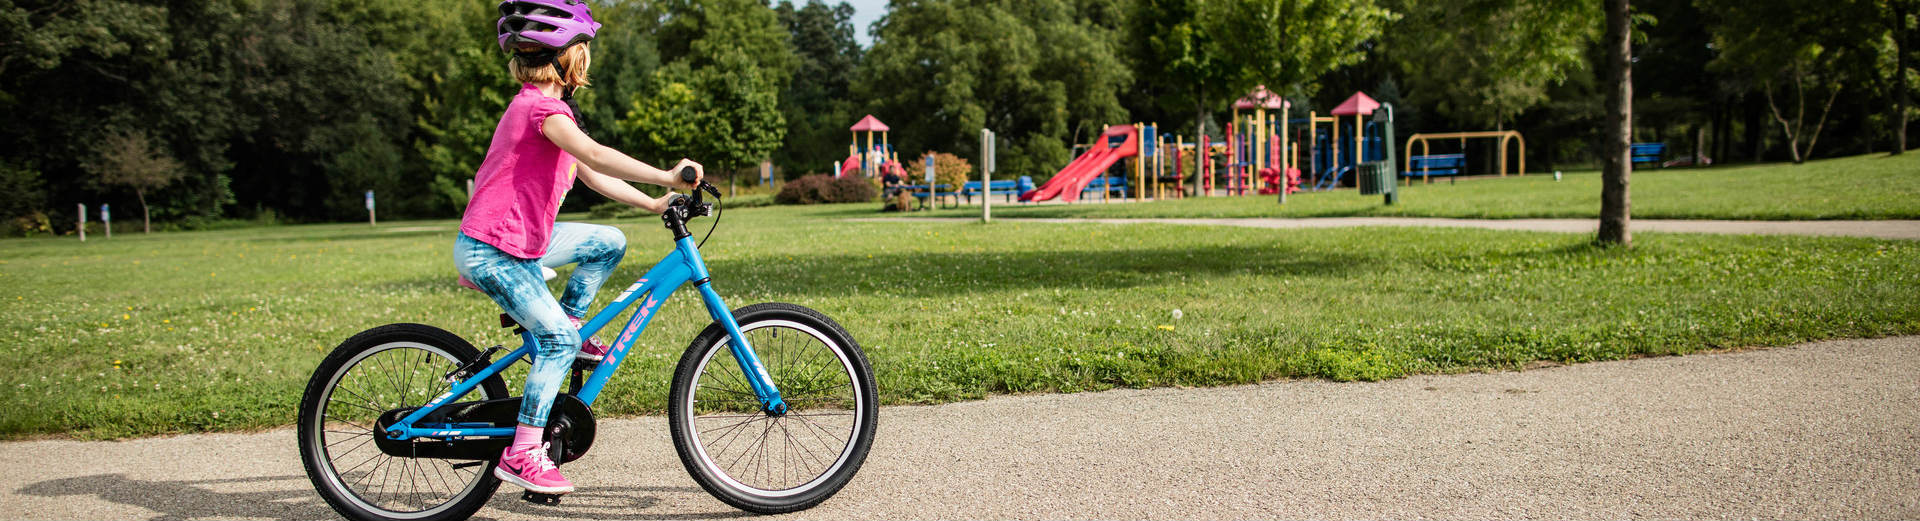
986 175
82 226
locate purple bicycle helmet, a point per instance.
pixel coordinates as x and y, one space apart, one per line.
550 24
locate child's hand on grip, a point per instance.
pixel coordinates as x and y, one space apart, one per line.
699 174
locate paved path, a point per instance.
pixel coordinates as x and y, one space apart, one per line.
1827 430
1909 230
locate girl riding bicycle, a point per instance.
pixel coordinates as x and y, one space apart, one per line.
508 233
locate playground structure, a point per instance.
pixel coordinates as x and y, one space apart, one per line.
1338 152
1257 154
1263 150
1153 165
1117 143
874 160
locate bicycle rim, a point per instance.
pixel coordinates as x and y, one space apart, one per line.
776 456
382 378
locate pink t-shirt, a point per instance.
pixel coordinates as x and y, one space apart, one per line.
518 189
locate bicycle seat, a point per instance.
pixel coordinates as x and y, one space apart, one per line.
546 274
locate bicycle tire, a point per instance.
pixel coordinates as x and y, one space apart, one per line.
814 396
439 351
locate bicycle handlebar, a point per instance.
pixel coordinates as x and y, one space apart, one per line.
684 207
687 175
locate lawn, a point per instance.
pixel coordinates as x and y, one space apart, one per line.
219 330
1862 187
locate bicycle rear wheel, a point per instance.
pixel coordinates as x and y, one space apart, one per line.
382 369
771 464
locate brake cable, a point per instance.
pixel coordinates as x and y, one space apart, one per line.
716 223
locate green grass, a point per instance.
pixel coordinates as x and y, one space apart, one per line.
1861 187
213 331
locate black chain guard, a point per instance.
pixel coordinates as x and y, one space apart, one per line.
570 428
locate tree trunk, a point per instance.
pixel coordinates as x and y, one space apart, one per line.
1699 144
1899 76
1756 130
146 216
1199 129
1797 129
1616 163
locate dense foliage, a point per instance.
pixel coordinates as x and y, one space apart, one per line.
244 108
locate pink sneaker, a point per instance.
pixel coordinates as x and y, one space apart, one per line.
532 470
591 349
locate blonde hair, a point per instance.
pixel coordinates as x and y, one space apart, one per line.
575 60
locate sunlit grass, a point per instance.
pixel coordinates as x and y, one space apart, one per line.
1862 187
220 330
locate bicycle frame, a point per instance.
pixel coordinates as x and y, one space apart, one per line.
678 268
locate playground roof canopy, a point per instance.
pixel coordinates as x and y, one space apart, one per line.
1261 98
1359 103
870 124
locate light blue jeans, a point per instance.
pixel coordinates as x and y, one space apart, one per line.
517 285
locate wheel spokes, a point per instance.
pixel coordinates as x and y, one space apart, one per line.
776 452
380 381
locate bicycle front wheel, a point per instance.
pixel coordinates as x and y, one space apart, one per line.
764 463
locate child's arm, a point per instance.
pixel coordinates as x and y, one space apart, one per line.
564 133
619 190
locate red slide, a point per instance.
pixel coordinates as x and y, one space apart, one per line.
850 166
1070 181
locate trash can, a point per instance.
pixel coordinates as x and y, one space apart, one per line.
1375 178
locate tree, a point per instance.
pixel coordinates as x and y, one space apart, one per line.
1793 50
1177 67
1486 61
1286 44
1034 71
1900 18
1616 161
817 102
129 160
725 114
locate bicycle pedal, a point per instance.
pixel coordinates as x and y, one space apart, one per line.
540 499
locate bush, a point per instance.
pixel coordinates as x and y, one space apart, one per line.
817 189
951 170
850 190
805 190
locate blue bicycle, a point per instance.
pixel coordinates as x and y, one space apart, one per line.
772 407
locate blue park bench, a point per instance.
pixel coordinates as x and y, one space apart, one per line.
1008 188
1437 164
1108 184
1648 153
941 191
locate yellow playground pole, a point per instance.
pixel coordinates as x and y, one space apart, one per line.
1336 142
1359 138
1139 168
1285 143
1313 132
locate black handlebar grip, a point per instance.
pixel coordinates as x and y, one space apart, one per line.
687 174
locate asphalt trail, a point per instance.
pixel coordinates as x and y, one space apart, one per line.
1825 430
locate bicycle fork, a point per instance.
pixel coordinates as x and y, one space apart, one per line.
757 377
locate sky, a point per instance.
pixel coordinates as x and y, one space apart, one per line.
865 13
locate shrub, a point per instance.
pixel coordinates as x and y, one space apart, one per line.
849 190
805 190
951 170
